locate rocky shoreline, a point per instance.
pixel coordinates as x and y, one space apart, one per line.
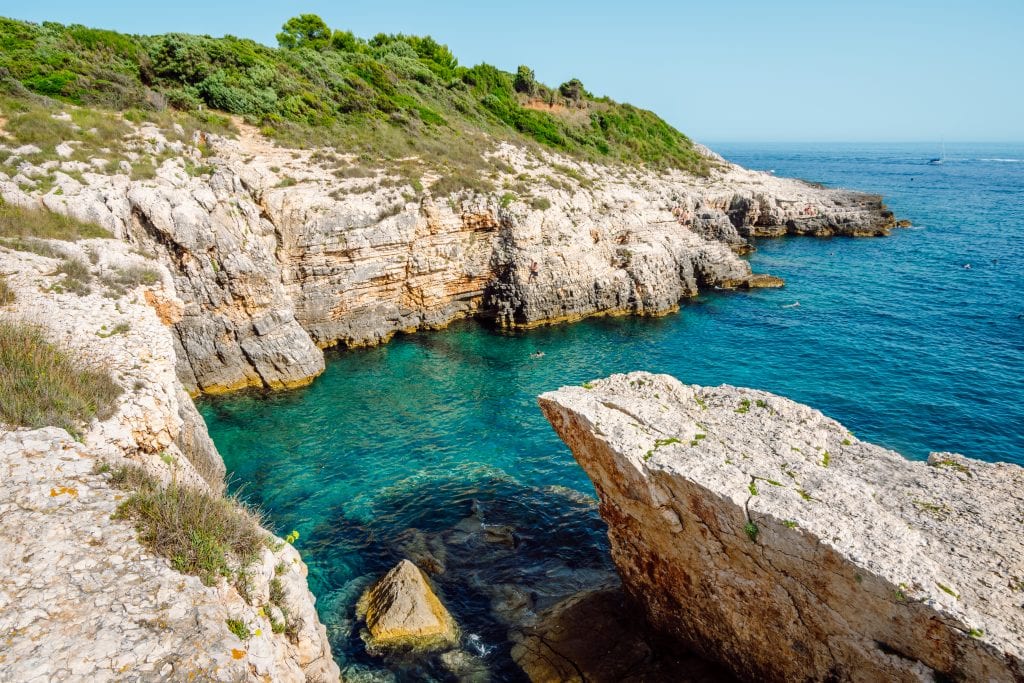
262 258
765 536
276 253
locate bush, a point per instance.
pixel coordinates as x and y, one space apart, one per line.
42 385
201 534
525 81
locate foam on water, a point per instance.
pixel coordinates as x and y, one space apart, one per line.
893 337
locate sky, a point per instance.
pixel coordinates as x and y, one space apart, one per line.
719 70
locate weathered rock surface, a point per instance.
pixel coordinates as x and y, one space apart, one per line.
275 252
402 611
80 598
763 534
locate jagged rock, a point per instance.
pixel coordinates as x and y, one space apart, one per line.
763 534
600 636
402 611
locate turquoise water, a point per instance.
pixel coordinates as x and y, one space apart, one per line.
893 337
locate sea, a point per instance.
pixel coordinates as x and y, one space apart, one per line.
913 341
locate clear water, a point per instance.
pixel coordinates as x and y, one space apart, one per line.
893 337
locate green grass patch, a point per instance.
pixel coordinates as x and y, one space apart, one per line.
19 223
205 535
43 385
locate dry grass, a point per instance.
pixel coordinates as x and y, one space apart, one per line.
6 293
19 222
77 277
32 246
201 534
43 385
124 280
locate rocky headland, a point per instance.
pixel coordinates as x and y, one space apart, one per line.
256 257
220 255
764 535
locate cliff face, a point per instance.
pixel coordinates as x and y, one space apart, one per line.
766 536
80 597
276 252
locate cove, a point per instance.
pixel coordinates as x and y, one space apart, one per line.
421 440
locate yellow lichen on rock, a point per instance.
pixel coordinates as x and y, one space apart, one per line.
402 611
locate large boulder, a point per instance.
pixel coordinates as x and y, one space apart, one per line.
765 535
401 611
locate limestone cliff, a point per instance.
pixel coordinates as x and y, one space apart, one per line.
763 534
275 252
80 597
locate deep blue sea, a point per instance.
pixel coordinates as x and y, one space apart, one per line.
894 337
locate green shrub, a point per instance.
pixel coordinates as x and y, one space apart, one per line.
201 534
43 385
396 95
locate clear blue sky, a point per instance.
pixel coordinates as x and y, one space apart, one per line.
718 70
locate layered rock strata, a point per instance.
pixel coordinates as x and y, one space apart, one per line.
276 253
764 535
81 599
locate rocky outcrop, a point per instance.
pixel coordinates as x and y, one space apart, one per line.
402 611
763 534
275 252
81 598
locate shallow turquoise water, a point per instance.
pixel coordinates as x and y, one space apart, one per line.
893 337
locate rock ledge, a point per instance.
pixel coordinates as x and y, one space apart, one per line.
764 535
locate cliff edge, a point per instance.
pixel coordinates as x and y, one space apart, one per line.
766 536
86 593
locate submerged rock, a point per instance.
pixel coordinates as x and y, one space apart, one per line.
763 534
600 636
401 611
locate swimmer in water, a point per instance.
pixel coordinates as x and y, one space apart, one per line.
537 354
792 305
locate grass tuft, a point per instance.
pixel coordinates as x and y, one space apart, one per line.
19 222
43 385
6 293
200 533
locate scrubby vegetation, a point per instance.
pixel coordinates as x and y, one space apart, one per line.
42 385
202 534
18 223
391 95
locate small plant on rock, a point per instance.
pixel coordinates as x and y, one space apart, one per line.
238 627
